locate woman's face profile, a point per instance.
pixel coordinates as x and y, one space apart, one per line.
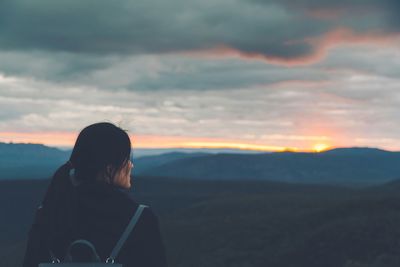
123 176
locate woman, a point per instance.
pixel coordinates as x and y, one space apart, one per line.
93 204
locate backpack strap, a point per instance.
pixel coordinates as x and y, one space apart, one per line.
125 234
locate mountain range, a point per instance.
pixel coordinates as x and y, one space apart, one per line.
349 166
29 161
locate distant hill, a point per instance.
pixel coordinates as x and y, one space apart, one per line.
29 161
145 163
142 152
352 166
357 151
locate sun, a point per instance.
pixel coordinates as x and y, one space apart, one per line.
320 147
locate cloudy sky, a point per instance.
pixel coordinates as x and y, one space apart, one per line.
267 74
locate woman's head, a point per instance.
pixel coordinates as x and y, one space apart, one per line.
102 152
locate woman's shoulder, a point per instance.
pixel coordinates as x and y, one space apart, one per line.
107 198
127 199
102 200
146 214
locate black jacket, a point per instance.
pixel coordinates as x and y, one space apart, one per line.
102 214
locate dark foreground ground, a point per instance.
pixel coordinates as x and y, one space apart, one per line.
206 223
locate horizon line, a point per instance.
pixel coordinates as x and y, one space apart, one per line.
303 143
285 150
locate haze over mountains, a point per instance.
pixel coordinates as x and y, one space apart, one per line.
351 166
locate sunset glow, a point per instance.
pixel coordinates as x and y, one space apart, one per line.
237 146
140 141
276 144
320 147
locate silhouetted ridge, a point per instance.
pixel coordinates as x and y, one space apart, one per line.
29 161
356 166
148 162
356 151
349 166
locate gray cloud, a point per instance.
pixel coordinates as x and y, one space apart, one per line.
142 44
374 59
153 72
135 27
56 67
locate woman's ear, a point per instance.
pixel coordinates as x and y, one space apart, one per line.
108 173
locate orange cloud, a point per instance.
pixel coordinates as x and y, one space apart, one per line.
223 51
47 138
347 36
320 45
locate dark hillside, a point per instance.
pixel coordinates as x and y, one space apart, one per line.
239 223
145 163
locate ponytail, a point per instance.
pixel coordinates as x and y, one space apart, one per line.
60 208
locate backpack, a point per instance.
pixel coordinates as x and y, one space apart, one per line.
95 259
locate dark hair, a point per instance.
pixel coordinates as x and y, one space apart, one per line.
98 146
